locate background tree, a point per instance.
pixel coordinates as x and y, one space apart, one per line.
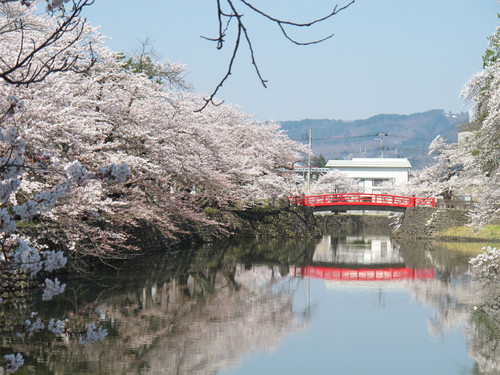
144 60
318 161
334 182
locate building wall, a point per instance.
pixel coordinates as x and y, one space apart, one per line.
377 180
465 137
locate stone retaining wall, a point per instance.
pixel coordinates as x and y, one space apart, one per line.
300 222
284 222
365 221
425 222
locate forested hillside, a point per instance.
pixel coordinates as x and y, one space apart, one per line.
390 135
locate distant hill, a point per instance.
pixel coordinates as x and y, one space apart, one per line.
388 135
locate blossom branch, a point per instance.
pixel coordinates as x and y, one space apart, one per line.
24 70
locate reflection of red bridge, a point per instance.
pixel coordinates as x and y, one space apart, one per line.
363 274
360 201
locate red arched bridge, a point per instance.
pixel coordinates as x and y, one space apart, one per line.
360 201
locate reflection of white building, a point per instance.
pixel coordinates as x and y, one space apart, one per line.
357 250
375 175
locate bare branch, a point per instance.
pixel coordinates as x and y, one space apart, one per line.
302 43
242 30
335 11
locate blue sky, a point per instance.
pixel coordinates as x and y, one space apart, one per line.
387 56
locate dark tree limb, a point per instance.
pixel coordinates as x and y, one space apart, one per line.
242 31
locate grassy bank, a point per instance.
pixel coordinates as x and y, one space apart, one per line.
489 232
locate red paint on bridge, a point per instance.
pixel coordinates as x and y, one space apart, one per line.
363 274
360 199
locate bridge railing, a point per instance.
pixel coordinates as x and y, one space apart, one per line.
360 199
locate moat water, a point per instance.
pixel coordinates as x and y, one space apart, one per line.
352 302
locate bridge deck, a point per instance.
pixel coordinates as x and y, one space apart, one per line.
360 201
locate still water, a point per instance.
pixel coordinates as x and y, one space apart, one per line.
349 303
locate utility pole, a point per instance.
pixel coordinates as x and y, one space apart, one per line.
381 135
309 161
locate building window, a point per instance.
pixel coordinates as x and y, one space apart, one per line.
383 182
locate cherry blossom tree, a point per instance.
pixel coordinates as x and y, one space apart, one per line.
35 48
483 91
444 178
21 62
182 161
59 47
474 167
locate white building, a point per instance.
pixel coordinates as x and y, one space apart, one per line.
375 175
466 133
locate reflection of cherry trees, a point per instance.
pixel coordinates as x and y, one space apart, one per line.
455 304
459 301
452 303
484 339
485 328
206 323
255 318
